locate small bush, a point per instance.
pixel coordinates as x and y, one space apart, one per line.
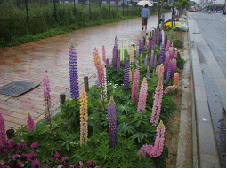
177 43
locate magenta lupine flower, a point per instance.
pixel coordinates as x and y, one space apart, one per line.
107 63
168 73
34 146
103 54
57 157
152 58
30 123
16 157
36 164
2 131
175 54
47 98
143 96
81 164
145 149
174 66
118 64
168 44
46 166
171 53
167 61
31 156
135 87
162 54
73 74
112 118
157 103
90 164
126 78
65 160
22 146
97 167
10 143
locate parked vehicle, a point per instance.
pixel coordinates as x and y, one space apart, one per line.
224 10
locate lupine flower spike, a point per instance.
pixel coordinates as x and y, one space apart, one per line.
148 74
126 78
175 54
132 55
122 53
126 46
73 74
112 118
83 118
30 123
118 64
47 98
103 54
176 83
107 63
135 86
143 96
157 102
168 73
174 66
2 131
171 53
162 54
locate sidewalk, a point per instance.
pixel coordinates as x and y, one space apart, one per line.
28 62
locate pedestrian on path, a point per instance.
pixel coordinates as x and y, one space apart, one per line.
145 15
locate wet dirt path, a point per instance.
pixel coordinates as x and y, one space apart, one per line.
28 62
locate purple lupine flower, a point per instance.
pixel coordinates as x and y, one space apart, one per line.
107 64
156 109
24 156
135 87
175 54
30 123
137 51
167 61
118 64
47 98
148 75
35 164
19 164
16 157
10 143
152 58
103 54
137 63
174 66
157 35
143 96
65 160
34 146
162 54
22 146
168 73
112 118
146 60
115 56
31 156
155 61
57 157
2 131
160 38
126 78
116 43
141 46
73 74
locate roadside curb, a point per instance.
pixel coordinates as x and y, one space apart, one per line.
205 153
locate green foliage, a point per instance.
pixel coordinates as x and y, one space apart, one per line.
180 61
177 43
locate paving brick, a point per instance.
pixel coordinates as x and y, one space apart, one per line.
5 112
38 106
33 114
5 107
16 110
19 115
15 120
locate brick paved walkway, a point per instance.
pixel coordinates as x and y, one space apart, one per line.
28 62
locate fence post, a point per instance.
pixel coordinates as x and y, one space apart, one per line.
86 84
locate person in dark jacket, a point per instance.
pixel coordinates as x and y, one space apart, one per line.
145 15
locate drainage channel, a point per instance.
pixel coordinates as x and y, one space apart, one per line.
218 114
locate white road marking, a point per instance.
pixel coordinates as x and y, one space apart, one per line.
215 43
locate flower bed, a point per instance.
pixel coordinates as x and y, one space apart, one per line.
118 123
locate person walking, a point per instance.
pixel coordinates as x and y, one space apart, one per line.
145 15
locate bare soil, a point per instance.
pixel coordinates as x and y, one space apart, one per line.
173 122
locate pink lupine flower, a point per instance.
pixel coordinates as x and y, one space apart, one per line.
47 98
174 66
167 61
175 54
168 89
168 44
171 53
81 164
103 54
143 96
160 70
157 149
157 102
2 131
135 86
30 123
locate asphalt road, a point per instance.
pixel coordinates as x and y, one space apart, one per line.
212 27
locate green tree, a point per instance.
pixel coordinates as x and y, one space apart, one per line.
181 4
